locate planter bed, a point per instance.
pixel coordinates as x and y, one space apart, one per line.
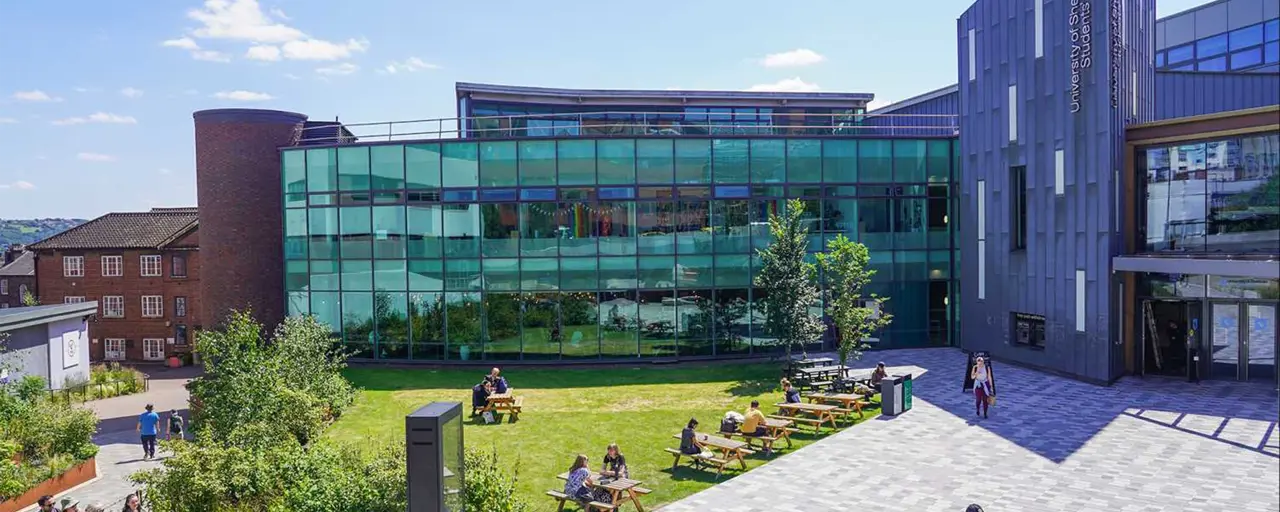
77 475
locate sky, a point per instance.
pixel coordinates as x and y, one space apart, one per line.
96 97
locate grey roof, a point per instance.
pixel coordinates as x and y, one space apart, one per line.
638 94
17 318
917 99
23 265
134 230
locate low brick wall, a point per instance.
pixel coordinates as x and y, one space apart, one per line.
77 475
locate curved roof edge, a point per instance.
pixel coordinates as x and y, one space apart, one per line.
468 87
247 115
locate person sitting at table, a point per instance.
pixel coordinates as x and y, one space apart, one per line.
879 374
497 380
615 465
480 395
791 394
578 485
689 444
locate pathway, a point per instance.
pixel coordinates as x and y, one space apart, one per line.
1051 444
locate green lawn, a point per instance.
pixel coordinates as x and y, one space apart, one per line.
571 411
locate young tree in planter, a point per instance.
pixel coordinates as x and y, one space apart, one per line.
789 281
845 267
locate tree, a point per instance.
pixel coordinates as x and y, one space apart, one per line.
845 267
789 280
29 299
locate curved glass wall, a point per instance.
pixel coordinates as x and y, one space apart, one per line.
580 248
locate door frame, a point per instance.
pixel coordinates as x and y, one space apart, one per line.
159 342
1194 308
1243 328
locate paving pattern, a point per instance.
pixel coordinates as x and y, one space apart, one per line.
1051 444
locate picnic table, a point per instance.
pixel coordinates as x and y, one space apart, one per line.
776 429
811 362
504 402
730 451
821 413
848 401
621 490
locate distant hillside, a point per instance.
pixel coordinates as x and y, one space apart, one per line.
25 231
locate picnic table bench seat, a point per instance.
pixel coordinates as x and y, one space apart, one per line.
766 442
717 462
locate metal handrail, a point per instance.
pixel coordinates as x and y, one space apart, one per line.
639 124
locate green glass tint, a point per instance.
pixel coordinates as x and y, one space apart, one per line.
322 170
693 161
498 166
577 162
387 167
537 163
422 166
908 161
768 161
353 168
654 161
294 171
459 164
840 161
875 161
617 162
939 161
729 160
804 161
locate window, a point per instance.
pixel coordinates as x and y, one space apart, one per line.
1039 19
1246 58
180 334
1028 330
114 349
178 265
1018 206
4 286
1246 37
73 266
72 300
973 55
151 265
22 291
152 306
1214 64
4 305
1059 172
113 306
1179 54
179 306
112 266
1210 46
1013 112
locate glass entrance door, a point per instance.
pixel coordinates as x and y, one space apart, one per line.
1260 339
1225 353
1244 341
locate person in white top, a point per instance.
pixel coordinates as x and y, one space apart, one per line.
981 386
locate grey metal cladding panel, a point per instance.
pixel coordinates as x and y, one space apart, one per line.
1065 233
1211 20
1160 44
1242 13
1192 94
1178 30
1270 10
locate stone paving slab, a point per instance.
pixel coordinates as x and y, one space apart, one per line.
1051 444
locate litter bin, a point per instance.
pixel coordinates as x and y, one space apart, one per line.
895 394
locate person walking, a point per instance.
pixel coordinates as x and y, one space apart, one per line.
147 423
981 387
175 425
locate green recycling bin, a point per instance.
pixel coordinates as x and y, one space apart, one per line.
895 394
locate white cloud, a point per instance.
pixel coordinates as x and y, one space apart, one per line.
97 117
80 89
96 157
794 58
35 96
292 76
275 11
318 49
210 56
241 20
8 120
785 85
185 43
17 185
409 65
878 103
191 92
130 92
241 95
346 68
263 52
165 171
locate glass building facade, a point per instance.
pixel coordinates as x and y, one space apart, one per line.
583 248
1254 48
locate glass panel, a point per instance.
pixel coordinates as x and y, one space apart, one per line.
875 161
537 163
578 273
693 227
299 302
619 322
909 223
497 164
539 231
389 275
939 161
693 161
577 161
327 309
426 312
616 227
539 274
1245 205
657 323
730 163
501 224
459 166
296 277
294 171
577 224
324 275
389 232
733 271
1247 36
1181 53
353 168
616 162
1159 59
426 275
1226 341
422 166
694 322
579 315
768 161
694 271
1246 58
387 164
1176 202
425 232
839 161
462 325
909 160
295 234
730 321
502 274
461 230
618 273
462 275
655 225
1273 30
356 236
391 314
1272 51
541 321
654 161
804 160
322 170
731 221
1262 342
357 321
357 275
1210 46
1215 64
657 272
502 321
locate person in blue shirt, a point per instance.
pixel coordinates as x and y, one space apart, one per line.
147 423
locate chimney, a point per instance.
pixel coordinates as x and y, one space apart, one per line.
12 253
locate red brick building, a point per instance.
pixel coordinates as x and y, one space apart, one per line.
144 271
17 276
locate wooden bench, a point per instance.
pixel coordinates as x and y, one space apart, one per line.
820 384
562 498
698 460
766 442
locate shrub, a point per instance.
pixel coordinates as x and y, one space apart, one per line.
30 388
487 485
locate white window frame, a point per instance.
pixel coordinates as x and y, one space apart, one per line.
73 266
112 266
973 55
72 299
151 355
152 306
1059 172
112 306
22 291
180 307
114 349
4 286
151 265
1013 112
1039 22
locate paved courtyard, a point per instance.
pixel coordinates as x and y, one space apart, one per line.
1051 444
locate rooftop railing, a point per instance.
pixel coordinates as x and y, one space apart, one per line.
633 124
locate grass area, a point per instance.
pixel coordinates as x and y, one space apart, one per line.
570 411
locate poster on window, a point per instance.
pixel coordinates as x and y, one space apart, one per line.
70 349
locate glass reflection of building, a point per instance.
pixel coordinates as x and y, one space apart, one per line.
565 245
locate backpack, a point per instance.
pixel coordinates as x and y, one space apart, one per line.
729 425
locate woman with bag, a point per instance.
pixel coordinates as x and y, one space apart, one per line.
982 390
